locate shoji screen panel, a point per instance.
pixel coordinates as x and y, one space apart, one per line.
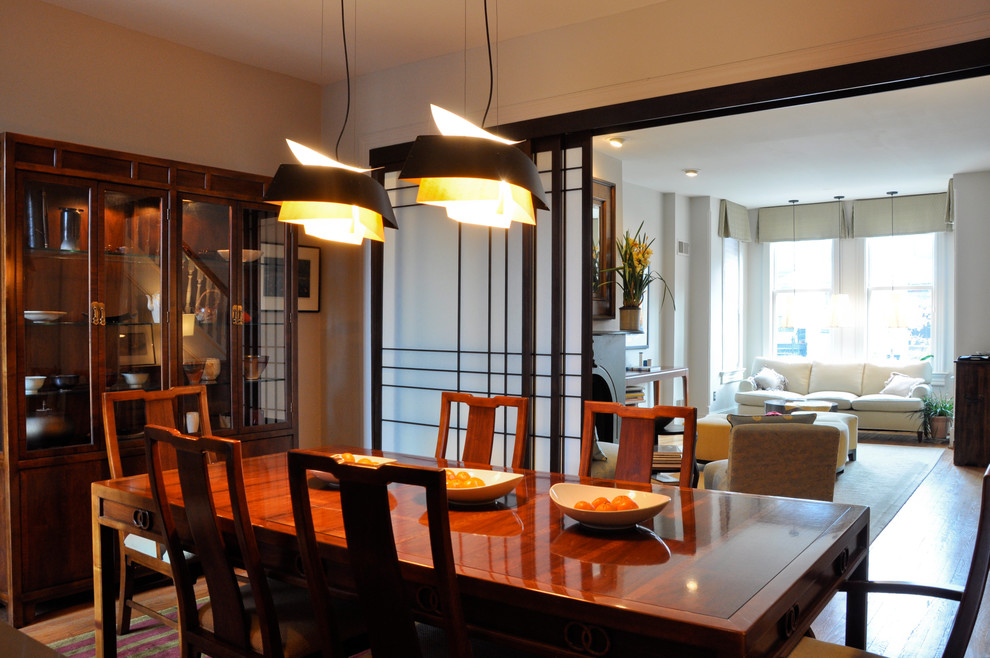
488 312
451 321
557 319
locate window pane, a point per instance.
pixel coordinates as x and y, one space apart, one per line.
802 277
804 264
901 260
732 277
800 327
900 324
900 277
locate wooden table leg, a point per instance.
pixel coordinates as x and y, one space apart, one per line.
856 608
103 585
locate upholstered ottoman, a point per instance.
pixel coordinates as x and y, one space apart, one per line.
713 436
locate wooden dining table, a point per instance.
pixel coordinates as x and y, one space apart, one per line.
713 574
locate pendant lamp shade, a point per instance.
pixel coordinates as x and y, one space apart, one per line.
478 179
332 203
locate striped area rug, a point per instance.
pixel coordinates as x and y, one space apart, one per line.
147 638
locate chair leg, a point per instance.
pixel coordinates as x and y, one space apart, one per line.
125 594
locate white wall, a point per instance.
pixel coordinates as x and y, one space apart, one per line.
66 76
972 271
642 205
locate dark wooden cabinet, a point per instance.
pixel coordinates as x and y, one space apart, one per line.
971 431
126 271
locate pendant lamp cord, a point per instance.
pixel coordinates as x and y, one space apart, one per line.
347 71
491 74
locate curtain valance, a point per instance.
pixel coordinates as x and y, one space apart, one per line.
904 215
734 222
812 221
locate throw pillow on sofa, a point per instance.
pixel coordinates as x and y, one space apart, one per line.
768 379
738 419
901 385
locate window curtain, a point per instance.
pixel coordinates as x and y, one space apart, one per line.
921 213
811 221
734 221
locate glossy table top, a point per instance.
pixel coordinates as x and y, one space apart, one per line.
716 559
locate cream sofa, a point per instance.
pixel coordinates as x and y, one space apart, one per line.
854 387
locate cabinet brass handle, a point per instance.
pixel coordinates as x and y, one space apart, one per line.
94 313
103 314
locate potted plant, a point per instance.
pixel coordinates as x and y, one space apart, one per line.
936 416
634 277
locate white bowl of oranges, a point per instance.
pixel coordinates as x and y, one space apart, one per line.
606 508
472 486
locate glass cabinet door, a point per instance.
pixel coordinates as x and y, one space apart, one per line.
133 296
134 301
58 311
204 289
262 318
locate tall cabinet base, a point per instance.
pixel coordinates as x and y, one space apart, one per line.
972 413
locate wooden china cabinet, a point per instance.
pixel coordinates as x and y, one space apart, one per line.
125 271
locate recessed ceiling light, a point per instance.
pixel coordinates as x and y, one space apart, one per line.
691 173
616 142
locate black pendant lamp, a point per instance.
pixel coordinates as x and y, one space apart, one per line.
331 200
477 177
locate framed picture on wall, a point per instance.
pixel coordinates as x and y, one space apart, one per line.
136 346
309 280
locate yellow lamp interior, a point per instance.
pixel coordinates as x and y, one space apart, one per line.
334 221
479 201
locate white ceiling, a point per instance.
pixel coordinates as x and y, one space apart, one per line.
911 141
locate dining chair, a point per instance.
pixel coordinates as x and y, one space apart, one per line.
386 597
970 597
637 438
479 436
782 459
263 618
133 409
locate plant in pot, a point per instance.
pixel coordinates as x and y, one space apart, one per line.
936 416
634 277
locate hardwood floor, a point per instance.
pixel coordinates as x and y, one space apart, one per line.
930 540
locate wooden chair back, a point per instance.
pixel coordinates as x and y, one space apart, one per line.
976 581
378 574
230 630
637 439
140 407
161 408
480 433
796 460
970 597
